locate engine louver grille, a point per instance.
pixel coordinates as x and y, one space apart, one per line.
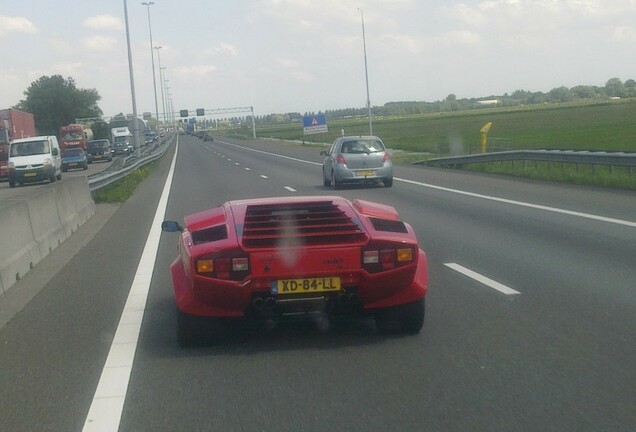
289 225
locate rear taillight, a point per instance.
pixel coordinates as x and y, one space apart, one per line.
230 268
386 157
340 159
383 259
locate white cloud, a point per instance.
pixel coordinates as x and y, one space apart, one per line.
104 22
226 49
293 70
66 68
624 34
100 43
195 70
10 25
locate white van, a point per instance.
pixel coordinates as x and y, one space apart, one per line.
34 159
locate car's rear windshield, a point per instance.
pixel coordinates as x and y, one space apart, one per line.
97 144
362 146
72 152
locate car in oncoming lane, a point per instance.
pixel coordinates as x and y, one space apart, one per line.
310 256
355 160
74 158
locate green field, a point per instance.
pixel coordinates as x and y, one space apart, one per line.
606 126
588 125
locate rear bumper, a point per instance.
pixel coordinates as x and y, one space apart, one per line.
347 175
216 298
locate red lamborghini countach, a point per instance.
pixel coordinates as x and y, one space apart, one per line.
272 258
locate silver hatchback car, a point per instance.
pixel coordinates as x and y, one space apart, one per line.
357 159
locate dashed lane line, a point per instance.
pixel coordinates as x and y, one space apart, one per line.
482 279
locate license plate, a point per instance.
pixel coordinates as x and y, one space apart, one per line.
308 285
365 173
30 174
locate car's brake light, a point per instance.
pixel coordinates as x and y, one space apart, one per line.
340 159
231 268
386 157
377 260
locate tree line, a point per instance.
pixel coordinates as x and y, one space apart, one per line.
55 101
614 88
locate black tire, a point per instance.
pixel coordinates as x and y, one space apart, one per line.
325 182
406 319
53 179
335 184
388 182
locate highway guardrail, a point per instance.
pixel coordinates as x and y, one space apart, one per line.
129 164
619 159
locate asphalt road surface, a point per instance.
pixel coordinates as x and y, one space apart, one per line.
530 325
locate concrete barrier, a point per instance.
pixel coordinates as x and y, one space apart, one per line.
33 227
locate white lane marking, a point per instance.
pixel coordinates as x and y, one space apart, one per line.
236 163
471 194
247 169
525 204
108 401
482 279
289 188
264 176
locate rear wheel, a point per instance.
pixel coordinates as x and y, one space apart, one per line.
325 182
335 184
407 318
388 182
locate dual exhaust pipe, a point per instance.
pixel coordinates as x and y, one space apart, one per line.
267 303
344 300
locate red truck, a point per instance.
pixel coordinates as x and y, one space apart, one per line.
14 124
75 135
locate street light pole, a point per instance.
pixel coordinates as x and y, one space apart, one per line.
135 130
152 58
163 98
366 73
161 85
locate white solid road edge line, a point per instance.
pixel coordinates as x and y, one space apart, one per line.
482 279
108 401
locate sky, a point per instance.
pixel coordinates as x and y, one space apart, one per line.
281 56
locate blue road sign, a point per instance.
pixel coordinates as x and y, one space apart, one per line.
315 124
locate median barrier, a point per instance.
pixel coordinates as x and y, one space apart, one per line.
18 249
32 227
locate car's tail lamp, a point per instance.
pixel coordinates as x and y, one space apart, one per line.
383 259
386 157
230 268
340 159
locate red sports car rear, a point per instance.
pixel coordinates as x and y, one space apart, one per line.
275 257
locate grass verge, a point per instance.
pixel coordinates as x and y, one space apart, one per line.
604 176
121 190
